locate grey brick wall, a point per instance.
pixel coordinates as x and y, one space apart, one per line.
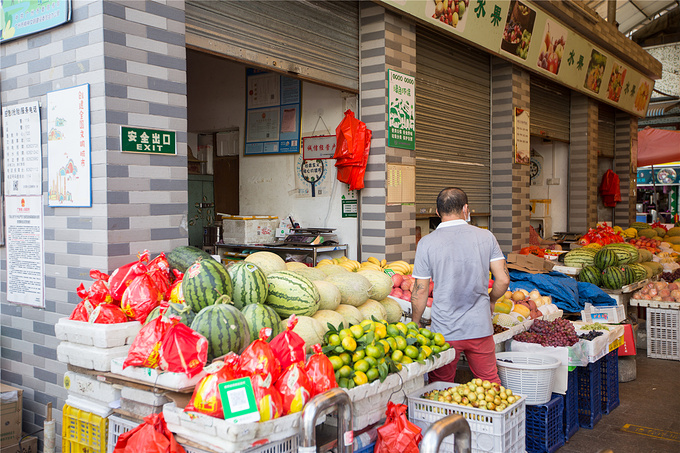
625 166
133 56
583 165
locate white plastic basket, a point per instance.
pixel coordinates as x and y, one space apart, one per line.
532 375
501 432
663 333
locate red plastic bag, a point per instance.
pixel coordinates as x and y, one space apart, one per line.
174 293
288 346
99 290
107 314
295 388
269 400
145 348
82 311
183 350
121 278
259 357
140 298
397 435
206 397
320 372
159 271
352 148
152 436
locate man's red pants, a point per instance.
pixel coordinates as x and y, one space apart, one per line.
481 356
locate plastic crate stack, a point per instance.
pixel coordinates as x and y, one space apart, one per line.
589 395
83 431
545 426
570 417
663 326
609 370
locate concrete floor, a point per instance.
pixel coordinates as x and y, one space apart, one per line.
650 404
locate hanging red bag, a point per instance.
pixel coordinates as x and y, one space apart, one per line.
144 350
288 346
206 397
295 388
353 144
397 435
268 398
140 298
259 357
320 371
82 311
159 271
182 350
121 278
107 314
152 436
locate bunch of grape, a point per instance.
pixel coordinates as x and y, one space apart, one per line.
670 277
591 335
559 332
498 329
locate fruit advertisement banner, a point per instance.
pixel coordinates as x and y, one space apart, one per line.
520 32
401 127
25 17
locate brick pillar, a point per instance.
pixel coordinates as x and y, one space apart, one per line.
583 184
387 42
625 166
510 182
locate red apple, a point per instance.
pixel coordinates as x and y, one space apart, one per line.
407 284
396 292
406 296
396 280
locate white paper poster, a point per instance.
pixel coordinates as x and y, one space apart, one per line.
312 178
25 263
68 147
22 149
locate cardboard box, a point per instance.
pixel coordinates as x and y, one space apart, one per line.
10 414
529 263
249 229
28 445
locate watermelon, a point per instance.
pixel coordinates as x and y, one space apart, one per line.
174 309
249 284
613 278
224 326
640 271
381 283
182 257
258 316
628 274
354 287
204 282
268 262
624 253
605 258
580 257
291 293
329 295
591 274
373 309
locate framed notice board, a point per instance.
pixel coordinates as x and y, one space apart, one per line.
272 113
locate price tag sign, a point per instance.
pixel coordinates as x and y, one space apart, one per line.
238 401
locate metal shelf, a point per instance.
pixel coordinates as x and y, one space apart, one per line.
313 249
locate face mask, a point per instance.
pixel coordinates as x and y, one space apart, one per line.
468 218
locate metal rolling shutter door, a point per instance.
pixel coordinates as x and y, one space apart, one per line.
606 132
453 121
550 108
314 40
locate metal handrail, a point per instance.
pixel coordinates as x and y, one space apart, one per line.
453 424
322 404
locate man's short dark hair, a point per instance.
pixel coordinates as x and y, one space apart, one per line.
451 201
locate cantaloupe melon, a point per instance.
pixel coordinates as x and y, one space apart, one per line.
393 310
312 273
660 231
648 233
373 309
331 269
268 262
354 287
351 314
675 231
294 265
381 283
672 239
309 330
645 255
329 293
331 317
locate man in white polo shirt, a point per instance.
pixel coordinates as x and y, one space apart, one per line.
457 257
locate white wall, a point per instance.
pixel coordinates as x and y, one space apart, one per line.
216 99
555 166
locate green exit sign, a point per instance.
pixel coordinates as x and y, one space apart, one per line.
138 140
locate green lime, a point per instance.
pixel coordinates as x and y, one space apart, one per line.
362 366
345 371
334 339
336 362
372 374
346 358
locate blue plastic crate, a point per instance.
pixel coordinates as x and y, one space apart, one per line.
367 449
589 394
544 426
610 381
571 405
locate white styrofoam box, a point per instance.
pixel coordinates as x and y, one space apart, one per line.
249 229
138 409
610 314
89 405
223 436
88 386
89 357
144 396
99 335
166 379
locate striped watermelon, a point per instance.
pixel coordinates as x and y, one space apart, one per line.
224 326
258 316
623 253
590 274
291 293
204 282
628 274
174 309
640 271
606 258
613 278
249 284
580 257
182 257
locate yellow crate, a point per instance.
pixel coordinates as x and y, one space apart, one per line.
83 432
